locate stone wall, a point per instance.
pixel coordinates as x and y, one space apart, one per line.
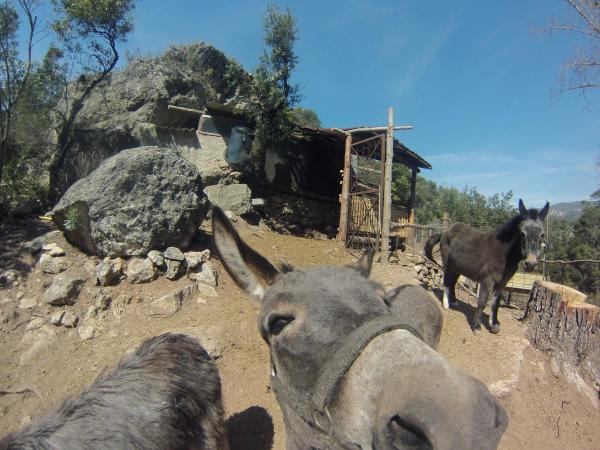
299 214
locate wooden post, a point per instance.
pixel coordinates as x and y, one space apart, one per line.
345 196
387 188
413 193
379 247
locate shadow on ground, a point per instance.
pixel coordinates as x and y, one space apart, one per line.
251 429
12 237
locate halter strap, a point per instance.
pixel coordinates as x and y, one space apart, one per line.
313 408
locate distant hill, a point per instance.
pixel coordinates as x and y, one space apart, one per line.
568 210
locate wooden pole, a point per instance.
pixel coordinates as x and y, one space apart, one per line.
381 192
387 187
413 193
345 196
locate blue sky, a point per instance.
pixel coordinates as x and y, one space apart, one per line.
473 77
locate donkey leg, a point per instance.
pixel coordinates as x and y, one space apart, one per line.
484 289
450 279
493 321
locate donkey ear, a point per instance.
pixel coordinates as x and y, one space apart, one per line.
363 265
251 271
522 210
544 211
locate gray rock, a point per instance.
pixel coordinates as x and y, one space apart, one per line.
57 251
64 290
102 300
28 303
138 200
87 332
157 259
36 342
204 291
140 270
165 306
213 338
69 320
171 303
20 295
56 317
10 276
206 274
174 254
108 271
195 259
34 246
49 246
35 323
125 111
174 269
236 198
53 265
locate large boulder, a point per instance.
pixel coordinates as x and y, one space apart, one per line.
140 199
236 198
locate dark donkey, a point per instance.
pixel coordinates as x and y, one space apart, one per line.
165 395
347 371
489 257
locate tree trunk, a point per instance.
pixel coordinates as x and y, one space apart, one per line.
560 322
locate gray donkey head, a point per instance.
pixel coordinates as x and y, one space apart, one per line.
531 228
346 372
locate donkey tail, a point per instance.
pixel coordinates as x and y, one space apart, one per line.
428 249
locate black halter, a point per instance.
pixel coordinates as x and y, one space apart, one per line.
313 408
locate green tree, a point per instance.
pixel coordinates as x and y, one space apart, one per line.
306 117
468 206
269 93
572 241
27 169
89 31
15 72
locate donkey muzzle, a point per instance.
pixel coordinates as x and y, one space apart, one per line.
529 264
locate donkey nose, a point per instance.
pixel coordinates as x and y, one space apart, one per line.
529 265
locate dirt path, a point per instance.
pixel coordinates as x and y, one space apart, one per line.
545 412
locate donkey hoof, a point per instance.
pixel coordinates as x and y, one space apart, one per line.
495 329
454 304
476 328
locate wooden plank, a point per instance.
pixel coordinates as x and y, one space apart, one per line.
398 127
187 110
344 197
523 281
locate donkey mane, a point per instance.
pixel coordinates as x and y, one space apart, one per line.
507 231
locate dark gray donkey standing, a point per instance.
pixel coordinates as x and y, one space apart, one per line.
490 257
166 395
351 369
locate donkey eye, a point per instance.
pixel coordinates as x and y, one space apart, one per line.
278 323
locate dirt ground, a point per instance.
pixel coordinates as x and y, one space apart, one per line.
546 411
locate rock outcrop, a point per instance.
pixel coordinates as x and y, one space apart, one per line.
139 200
131 108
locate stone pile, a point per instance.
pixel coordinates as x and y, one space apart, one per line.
429 274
